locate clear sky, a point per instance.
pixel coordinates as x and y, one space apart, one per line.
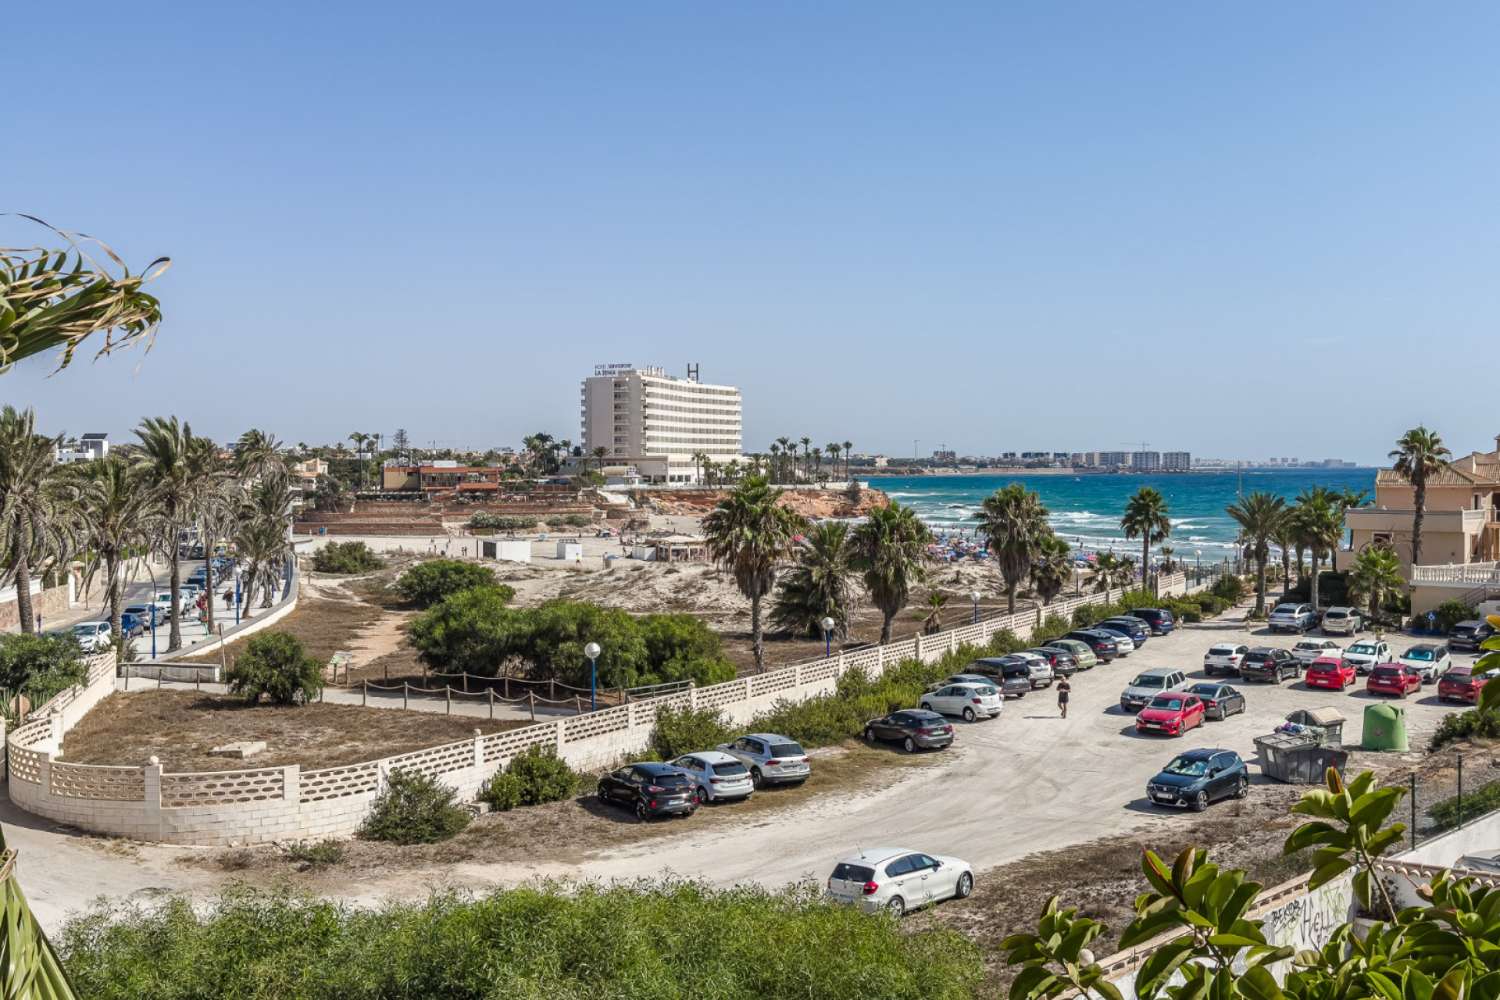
1254 229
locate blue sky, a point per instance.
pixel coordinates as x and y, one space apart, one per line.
1249 230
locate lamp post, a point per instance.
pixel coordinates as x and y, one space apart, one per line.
828 623
152 574
237 575
592 652
1198 556
975 598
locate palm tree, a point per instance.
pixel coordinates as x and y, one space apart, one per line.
1319 524
262 537
700 459
932 621
1419 454
165 459
817 463
1167 552
1261 517
820 585
1014 521
1288 540
1052 568
846 447
833 450
775 466
807 456
1349 499
889 549
599 455
359 440
218 497
750 534
1375 576
115 503
256 453
1146 518
1107 568
39 516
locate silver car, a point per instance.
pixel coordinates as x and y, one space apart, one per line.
1292 618
1307 650
971 701
1148 684
716 776
1342 621
897 879
772 759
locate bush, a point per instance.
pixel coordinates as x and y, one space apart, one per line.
39 666
1054 626
569 521
1230 588
472 631
1446 814
499 522
1450 613
636 940
1467 725
315 853
534 776
276 666
414 809
429 582
346 557
682 647
685 730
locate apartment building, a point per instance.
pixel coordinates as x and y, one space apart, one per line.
1113 459
84 449
654 425
1145 461
1176 461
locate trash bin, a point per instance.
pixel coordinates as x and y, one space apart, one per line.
1297 758
1326 723
1385 728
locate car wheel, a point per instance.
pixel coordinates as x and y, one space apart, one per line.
968 715
925 706
897 907
869 736
909 745
701 795
1200 802
1242 788
965 886
756 777
641 813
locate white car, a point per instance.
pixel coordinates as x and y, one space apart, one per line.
970 700
1342 621
1307 650
716 776
897 879
164 605
1039 669
1224 658
93 636
772 759
1428 661
1366 654
1124 645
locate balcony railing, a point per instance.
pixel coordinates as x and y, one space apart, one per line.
1457 574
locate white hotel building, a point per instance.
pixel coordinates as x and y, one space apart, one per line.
652 423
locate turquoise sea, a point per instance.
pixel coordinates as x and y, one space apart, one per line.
1086 509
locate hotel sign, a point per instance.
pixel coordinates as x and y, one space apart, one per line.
613 369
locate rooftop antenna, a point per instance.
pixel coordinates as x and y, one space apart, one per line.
692 372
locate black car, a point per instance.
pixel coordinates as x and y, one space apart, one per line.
1063 663
1102 643
1138 630
1468 635
650 789
1195 778
1265 663
914 728
1160 619
1220 701
1011 675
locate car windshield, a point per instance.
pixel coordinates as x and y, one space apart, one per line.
1221 650
1167 703
1386 673
787 750
1149 681
1205 690
1419 654
735 768
1286 609
1361 647
853 873
1187 768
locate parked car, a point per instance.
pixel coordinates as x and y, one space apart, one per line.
1060 660
1293 618
716 776
1040 670
164 605
772 759
971 701
1331 673
1195 778
1102 644
93 636
1139 631
1173 713
1148 684
963 679
1124 644
143 613
1013 677
1393 678
1224 658
1307 650
132 625
1467 636
649 790
1161 620
1367 653
1429 661
1463 684
896 879
1082 652
913 728
1268 663
1342 621
1220 701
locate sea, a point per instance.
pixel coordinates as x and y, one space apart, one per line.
1086 509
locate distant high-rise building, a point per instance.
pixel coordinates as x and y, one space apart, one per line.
658 423
1145 461
1114 459
945 455
1176 461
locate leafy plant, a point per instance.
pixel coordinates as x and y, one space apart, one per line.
534 776
277 667
1450 613
1014 522
314 853
888 550
484 520
39 666
685 730
820 585
414 808
346 557
749 534
434 579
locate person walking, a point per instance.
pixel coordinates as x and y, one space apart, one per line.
1063 689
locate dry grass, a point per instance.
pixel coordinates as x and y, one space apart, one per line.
323 625
180 727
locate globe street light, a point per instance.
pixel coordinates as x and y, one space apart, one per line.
975 597
828 623
592 652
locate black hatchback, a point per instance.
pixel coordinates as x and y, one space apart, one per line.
1104 647
650 790
914 728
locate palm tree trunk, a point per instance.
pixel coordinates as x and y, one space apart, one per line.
1313 590
1146 562
1416 522
1010 598
885 626
1260 591
208 585
1286 576
115 593
756 642
23 591
247 590
174 632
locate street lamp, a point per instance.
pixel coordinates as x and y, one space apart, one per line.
1198 555
975 597
238 573
592 652
828 623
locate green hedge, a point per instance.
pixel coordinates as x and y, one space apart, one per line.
346 557
1485 798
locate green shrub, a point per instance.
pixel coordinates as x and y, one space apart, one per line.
534 776
569 521
1449 614
484 520
414 808
315 853
684 730
682 647
623 941
346 557
1054 626
1446 814
276 666
472 631
429 582
39 666
1230 588
1466 725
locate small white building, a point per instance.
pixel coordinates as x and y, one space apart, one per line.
570 550
85 449
505 549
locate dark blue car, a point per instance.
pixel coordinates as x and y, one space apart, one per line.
1160 620
1197 777
132 624
1138 630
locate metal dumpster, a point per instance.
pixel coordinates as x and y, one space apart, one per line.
1297 758
1326 723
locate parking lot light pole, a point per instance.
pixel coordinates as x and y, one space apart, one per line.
828 623
592 652
236 592
975 597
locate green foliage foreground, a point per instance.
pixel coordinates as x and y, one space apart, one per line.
656 940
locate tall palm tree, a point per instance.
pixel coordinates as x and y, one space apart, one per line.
774 469
1375 576
1261 517
1167 552
1109 569
262 538
257 452
889 550
1146 518
218 495
807 456
817 462
1014 521
1319 524
1419 454
115 504
833 450
165 459
846 448
932 621
750 535
1052 568
39 515
600 453
1288 539
820 585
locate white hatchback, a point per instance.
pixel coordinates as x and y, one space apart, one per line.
93 636
1429 661
897 879
970 700
1307 650
1224 658
716 776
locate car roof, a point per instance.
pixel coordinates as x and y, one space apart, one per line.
1328 659
868 856
1341 610
91 624
1471 623
1263 649
1208 684
1158 672
767 737
1203 753
713 757
657 767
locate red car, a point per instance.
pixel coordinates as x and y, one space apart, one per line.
1393 678
1329 672
1172 712
1461 684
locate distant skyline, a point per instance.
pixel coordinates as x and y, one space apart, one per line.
1249 231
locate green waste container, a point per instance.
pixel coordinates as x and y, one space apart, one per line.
1385 728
